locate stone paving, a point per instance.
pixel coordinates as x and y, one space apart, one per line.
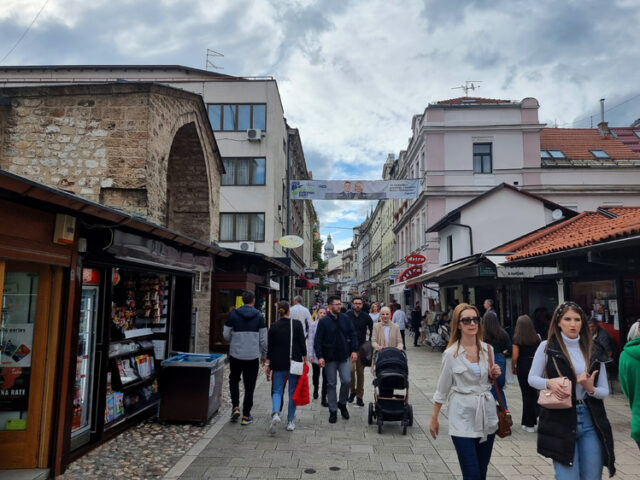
317 450
354 450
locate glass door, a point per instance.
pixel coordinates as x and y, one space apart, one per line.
83 389
26 290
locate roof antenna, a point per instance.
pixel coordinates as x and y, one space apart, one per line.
468 85
211 54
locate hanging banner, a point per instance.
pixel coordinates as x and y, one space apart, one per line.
354 189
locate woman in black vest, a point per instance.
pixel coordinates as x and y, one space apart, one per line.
578 439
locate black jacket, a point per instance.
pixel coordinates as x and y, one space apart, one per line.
416 319
335 338
280 340
360 324
557 428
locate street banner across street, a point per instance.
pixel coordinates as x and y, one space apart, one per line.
353 189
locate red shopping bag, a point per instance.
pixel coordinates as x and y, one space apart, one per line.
301 393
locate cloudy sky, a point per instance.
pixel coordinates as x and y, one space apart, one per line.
352 73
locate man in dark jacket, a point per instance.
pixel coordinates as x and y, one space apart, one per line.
361 323
416 319
247 332
335 344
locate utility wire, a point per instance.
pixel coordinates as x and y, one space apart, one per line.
606 110
25 32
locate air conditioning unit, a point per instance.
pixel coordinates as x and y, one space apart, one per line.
247 246
254 134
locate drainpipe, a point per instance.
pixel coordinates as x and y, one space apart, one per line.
470 234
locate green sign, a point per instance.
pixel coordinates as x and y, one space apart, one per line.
486 270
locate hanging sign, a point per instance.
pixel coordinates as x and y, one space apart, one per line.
415 259
291 241
410 272
353 189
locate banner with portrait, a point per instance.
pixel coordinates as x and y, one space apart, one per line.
354 189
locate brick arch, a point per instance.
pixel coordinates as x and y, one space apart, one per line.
188 193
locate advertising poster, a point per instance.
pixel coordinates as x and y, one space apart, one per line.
353 189
16 342
14 388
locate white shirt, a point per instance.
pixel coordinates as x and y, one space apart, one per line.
300 312
472 408
374 317
399 318
539 382
387 329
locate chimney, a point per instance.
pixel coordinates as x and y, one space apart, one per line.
603 127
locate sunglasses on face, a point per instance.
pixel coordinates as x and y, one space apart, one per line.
468 320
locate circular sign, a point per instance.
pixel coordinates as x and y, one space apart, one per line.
291 241
415 259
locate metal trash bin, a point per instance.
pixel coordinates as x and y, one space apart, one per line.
191 388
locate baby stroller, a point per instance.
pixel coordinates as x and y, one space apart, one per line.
391 373
437 337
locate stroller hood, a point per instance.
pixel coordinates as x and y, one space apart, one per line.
392 360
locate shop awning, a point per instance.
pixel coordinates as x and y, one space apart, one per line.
66 202
434 274
397 288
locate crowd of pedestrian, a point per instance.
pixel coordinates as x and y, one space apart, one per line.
560 362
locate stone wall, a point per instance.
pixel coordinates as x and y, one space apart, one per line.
144 148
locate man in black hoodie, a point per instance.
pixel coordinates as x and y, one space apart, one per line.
361 323
247 331
335 344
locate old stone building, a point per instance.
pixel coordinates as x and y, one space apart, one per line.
144 148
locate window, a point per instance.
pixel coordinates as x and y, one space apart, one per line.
244 171
637 132
482 158
544 154
449 248
231 117
599 153
557 154
241 226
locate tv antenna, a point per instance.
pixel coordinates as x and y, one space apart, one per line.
468 85
212 54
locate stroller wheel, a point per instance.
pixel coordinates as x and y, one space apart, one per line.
379 424
370 416
404 429
410 410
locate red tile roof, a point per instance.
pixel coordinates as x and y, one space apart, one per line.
575 143
588 228
470 101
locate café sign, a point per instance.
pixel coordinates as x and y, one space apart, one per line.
410 272
415 259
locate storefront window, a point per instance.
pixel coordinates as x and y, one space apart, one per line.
597 299
19 298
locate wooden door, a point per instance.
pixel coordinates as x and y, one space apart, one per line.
24 330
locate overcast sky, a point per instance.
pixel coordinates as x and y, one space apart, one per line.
353 73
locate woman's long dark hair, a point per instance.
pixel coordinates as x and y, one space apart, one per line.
525 332
493 332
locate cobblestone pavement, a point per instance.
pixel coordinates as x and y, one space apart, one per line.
317 450
146 451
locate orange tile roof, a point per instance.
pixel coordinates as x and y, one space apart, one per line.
470 101
588 228
575 143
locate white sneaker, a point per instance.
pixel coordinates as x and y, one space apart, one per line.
529 429
291 426
275 421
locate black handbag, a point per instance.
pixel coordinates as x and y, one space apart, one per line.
365 353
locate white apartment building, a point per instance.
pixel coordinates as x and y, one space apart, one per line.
257 146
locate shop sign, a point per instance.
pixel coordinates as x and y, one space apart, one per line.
486 271
90 276
415 259
394 272
410 272
14 388
525 272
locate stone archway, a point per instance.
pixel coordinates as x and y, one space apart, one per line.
188 201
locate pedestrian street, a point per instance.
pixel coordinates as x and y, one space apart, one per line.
354 450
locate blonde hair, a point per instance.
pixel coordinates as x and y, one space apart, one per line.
634 331
456 335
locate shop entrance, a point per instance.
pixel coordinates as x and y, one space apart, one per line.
24 329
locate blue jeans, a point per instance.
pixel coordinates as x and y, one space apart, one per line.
333 369
502 362
473 456
279 377
587 457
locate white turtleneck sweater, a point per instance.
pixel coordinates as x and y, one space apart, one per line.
539 382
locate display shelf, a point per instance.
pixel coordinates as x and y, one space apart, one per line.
131 353
137 383
138 332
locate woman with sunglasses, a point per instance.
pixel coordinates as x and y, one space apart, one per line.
465 381
578 439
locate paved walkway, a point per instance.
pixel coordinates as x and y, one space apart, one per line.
354 450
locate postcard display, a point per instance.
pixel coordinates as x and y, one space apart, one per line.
138 333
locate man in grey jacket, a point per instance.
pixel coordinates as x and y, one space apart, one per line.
246 331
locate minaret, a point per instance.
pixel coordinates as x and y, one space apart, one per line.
328 249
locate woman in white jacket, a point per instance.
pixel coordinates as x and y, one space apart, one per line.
465 381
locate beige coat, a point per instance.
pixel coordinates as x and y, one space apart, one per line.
377 337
